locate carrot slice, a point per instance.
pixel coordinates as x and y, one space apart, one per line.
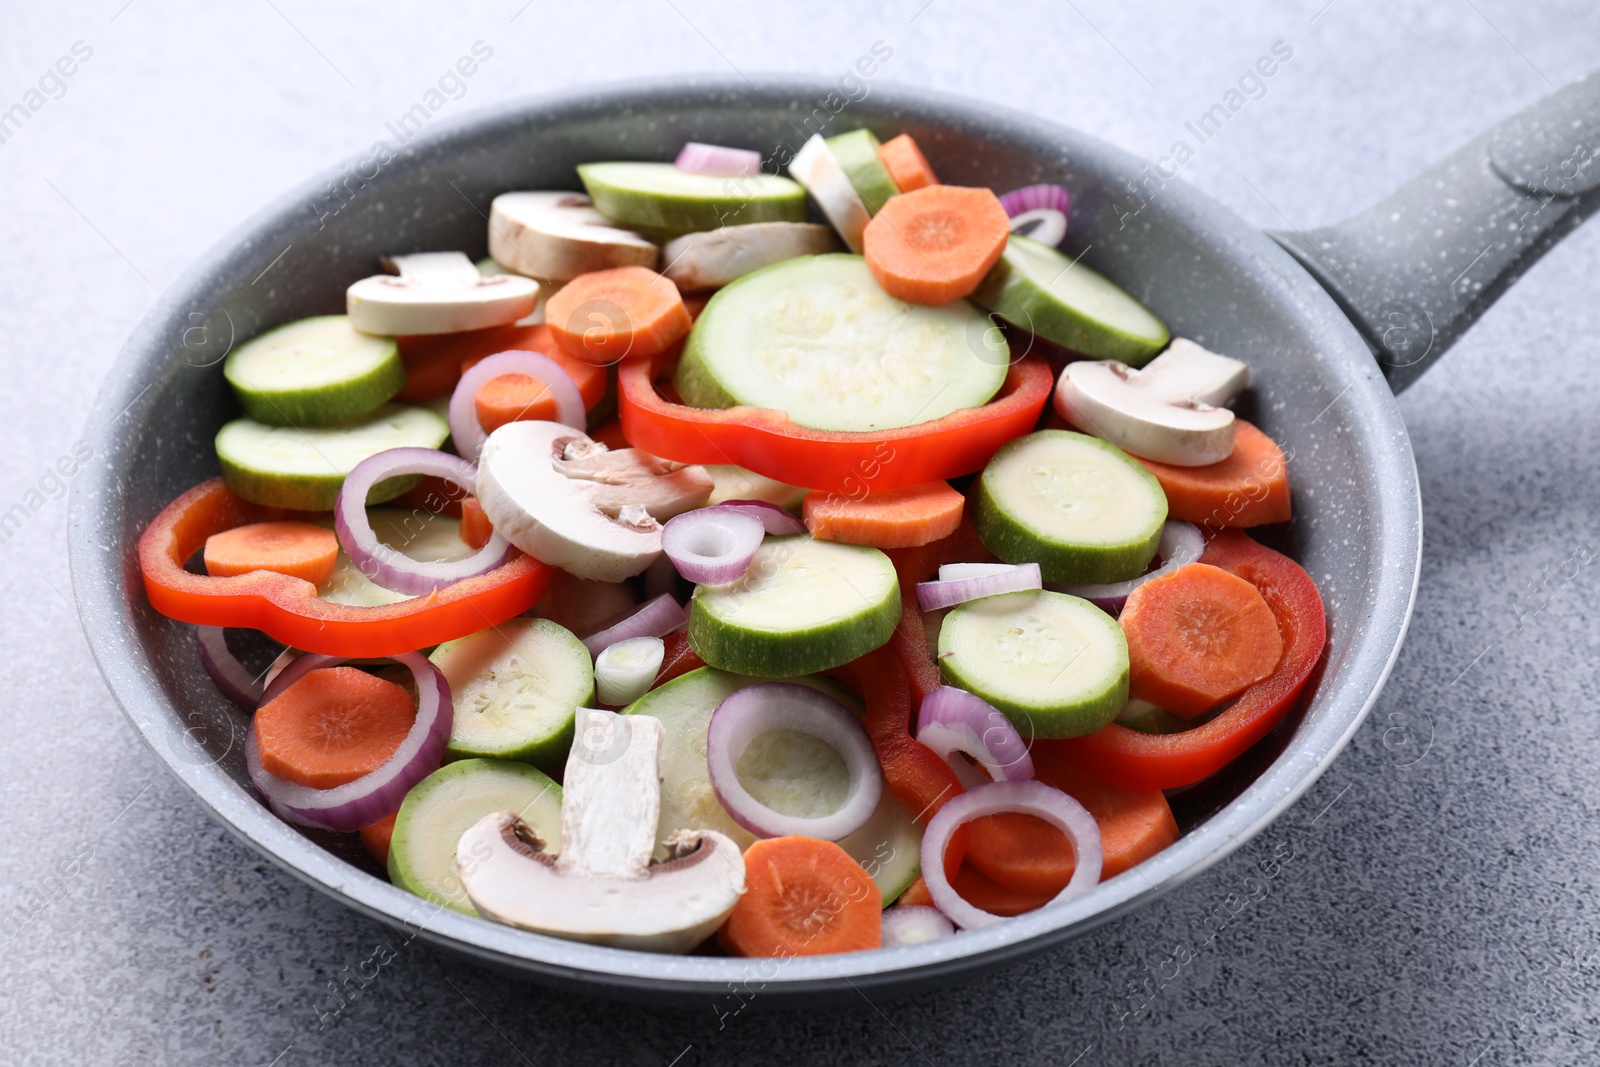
294 548
803 897
1249 488
332 726
1197 637
922 563
935 245
917 895
523 397
906 164
625 311
1027 855
376 837
896 518
476 529
983 892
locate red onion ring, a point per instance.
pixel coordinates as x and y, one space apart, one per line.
1032 197
1031 798
389 567
914 924
953 720
712 546
753 711
372 796
654 618
697 158
1181 545
931 596
778 522
1043 224
467 431
956 572
225 670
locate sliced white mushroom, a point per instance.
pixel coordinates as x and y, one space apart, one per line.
573 503
714 258
437 292
1169 411
560 236
815 167
603 886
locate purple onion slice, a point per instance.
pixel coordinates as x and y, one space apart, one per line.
1031 798
953 720
914 924
1181 544
389 567
230 676
712 546
657 617
716 160
465 429
750 712
369 798
931 596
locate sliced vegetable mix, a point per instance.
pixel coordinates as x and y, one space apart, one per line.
850 695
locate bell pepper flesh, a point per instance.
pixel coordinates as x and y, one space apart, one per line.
770 443
1131 759
288 609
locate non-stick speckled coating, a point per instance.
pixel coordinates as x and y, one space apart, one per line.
1210 276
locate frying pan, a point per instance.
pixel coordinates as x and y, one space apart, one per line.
1332 322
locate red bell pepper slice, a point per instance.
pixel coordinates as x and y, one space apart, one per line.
769 443
913 772
287 609
1131 759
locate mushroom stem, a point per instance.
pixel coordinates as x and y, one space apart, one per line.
612 795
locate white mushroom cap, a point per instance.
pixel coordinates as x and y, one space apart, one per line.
437 292
603 886
1169 411
559 236
570 502
816 168
713 258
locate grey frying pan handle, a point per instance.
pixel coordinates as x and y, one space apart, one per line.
1416 270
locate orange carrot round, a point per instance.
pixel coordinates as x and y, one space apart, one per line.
917 895
935 245
520 397
1249 488
895 518
376 838
607 315
985 893
906 164
294 548
803 897
332 726
476 528
1023 853
1197 637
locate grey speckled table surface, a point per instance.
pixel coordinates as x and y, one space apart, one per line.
1440 904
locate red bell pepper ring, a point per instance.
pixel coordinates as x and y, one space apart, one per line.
678 658
1131 759
770 443
287 609
914 773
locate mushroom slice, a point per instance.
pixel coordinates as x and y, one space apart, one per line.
560 236
1169 411
437 292
577 505
713 258
603 887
